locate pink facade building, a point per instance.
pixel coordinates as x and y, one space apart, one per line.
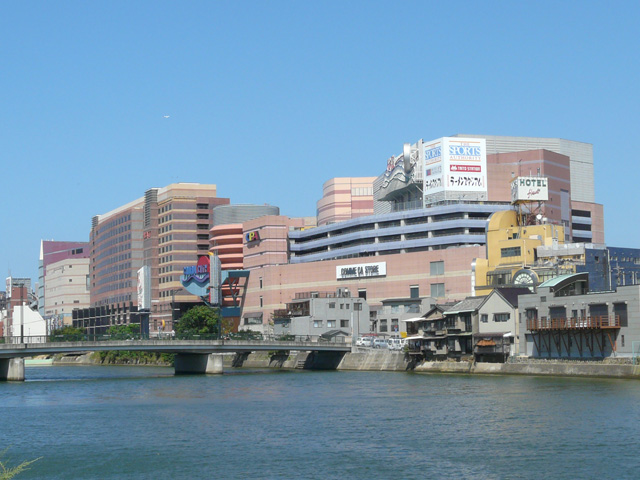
344 198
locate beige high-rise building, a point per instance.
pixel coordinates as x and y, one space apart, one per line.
165 230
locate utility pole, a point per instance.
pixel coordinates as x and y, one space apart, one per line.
22 313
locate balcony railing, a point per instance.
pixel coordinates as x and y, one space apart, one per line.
573 323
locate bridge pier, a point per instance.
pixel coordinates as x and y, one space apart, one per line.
12 369
193 363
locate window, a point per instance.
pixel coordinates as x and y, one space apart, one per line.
357 307
383 325
501 317
620 313
414 291
510 252
331 324
261 301
437 268
347 306
342 306
437 290
394 324
362 293
344 323
317 324
260 282
332 304
484 318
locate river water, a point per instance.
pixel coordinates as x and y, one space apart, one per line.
144 423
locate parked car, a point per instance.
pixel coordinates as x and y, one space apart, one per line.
395 344
380 343
366 342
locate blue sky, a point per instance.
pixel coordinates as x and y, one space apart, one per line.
270 99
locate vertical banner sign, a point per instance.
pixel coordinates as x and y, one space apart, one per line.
144 288
216 279
432 178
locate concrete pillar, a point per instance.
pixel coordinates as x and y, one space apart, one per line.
12 369
194 363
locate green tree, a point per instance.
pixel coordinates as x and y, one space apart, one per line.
199 320
124 331
67 334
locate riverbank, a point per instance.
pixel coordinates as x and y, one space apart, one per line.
95 358
397 362
383 360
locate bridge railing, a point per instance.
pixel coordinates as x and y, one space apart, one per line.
233 337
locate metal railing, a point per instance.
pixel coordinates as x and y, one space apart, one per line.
571 323
169 337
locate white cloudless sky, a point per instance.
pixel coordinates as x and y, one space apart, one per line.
268 100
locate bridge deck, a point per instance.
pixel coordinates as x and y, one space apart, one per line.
30 349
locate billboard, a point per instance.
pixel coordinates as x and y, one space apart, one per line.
432 154
530 189
453 164
144 288
364 270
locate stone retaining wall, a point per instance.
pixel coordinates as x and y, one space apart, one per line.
383 360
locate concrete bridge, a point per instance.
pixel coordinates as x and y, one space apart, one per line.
192 356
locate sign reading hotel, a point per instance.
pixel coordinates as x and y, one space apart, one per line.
364 270
534 189
454 164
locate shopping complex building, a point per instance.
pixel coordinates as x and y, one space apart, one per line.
431 209
410 236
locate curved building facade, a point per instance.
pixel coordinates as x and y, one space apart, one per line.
226 237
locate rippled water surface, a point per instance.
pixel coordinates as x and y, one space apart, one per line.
144 423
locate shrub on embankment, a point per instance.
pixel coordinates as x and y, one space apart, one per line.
134 358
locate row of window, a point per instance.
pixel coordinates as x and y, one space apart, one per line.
346 306
166 238
362 191
497 317
113 223
330 323
116 259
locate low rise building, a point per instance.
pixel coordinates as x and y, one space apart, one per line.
498 335
315 314
564 319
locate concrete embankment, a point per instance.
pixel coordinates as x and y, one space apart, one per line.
82 359
398 362
384 360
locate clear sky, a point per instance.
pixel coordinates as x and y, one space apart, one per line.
270 99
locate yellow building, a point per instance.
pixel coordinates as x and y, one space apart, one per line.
512 253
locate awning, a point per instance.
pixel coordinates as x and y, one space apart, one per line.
508 334
486 343
417 319
415 337
253 315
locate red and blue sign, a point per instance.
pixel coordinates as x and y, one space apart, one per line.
198 272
